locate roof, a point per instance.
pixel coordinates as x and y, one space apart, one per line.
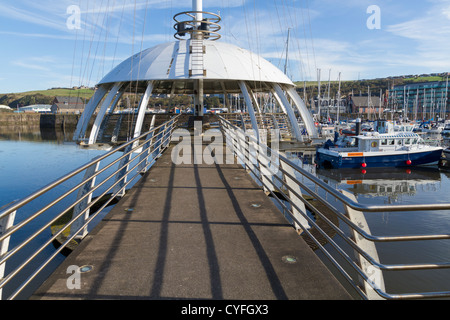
362 101
172 61
5 107
69 100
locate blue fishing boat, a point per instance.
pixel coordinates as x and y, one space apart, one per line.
384 147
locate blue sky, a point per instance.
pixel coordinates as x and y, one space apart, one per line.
39 50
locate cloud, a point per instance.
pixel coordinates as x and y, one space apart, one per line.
34 63
30 16
30 66
430 34
37 35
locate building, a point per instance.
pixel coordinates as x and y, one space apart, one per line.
365 105
425 100
5 108
67 105
39 108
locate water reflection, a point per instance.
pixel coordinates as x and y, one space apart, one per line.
389 184
416 185
36 133
30 158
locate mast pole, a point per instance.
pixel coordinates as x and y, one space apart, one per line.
197 6
287 52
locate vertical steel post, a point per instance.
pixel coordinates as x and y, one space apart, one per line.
85 189
5 224
294 199
144 159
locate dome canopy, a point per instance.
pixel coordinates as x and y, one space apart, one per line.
196 67
177 62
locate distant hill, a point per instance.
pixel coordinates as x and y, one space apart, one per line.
361 86
42 96
357 86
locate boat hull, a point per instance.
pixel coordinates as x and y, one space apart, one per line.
406 159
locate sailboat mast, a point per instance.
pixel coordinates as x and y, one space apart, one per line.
380 103
339 100
446 98
328 95
318 95
287 52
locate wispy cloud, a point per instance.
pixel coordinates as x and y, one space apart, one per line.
430 33
37 35
10 11
29 66
35 63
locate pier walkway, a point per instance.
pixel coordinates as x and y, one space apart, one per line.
194 232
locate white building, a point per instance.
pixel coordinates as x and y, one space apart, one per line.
39 108
3 107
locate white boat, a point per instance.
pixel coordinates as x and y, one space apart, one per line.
382 148
446 131
327 131
432 128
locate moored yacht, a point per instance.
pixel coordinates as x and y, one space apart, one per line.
382 148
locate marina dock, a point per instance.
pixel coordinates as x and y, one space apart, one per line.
193 231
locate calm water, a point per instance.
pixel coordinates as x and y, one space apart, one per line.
30 159
401 186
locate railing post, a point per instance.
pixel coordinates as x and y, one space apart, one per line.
157 148
167 132
85 189
5 224
269 166
119 188
144 159
252 152
240 147
295 187
374 274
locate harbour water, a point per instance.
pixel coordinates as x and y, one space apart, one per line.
30 160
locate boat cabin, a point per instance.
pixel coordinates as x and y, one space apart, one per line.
375 142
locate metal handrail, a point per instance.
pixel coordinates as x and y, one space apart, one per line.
126 161
235 134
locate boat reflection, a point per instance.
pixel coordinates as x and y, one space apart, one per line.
379 182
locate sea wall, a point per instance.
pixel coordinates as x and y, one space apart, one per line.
42 120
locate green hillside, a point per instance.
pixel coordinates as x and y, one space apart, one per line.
361 86
82 93
42 96
347 87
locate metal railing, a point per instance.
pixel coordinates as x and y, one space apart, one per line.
105 177
292 187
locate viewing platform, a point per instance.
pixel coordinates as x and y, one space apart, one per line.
194 232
